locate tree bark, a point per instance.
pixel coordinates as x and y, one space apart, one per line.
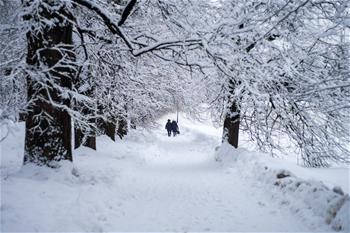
90 141
48 124
231 125
122 127
232 118
78 137
110 128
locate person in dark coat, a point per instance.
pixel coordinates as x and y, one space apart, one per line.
175 128
169 127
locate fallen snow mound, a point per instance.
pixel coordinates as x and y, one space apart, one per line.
302 196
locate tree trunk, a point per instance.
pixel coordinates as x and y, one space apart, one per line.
78 137
122 127
232 119
231 125
109 128
22 117
48 124
90 141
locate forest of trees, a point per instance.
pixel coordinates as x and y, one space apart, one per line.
82 68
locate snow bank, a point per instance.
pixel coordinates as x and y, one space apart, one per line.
302 196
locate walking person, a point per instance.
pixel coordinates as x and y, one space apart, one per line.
169 127
175 128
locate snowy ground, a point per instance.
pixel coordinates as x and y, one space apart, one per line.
150 182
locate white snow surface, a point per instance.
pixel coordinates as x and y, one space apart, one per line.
151 182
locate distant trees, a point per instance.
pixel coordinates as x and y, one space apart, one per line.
12 96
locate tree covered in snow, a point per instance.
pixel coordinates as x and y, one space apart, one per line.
287 76
270 68
282 69
12 90
80 66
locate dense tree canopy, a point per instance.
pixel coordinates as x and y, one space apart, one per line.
271 68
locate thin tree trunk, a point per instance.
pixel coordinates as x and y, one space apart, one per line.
48 128
123 123
78 137
231 125
232 119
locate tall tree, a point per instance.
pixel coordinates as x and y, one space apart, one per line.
51 70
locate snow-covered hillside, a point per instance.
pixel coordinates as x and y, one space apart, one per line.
150 182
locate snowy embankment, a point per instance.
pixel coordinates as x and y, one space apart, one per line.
303 197
149 182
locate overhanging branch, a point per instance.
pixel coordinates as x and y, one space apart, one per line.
113 27
127 11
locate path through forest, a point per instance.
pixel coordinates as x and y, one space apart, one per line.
182 188
149 182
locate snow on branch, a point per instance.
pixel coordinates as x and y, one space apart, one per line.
166 44
109 22
127 12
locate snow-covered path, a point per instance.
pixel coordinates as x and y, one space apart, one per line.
181 188
148 182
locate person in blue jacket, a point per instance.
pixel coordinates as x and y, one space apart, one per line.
169 127
175 128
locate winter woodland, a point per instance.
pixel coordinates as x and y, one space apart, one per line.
274 71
